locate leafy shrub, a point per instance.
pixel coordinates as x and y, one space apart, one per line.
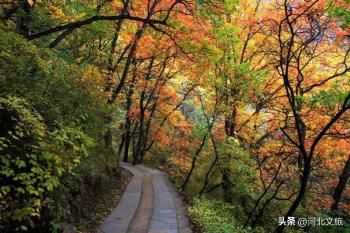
216 217
28 170
51 139
23 67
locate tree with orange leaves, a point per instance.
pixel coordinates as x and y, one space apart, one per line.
306 38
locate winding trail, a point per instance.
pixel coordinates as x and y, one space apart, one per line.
150 204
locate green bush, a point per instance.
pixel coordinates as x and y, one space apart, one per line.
52 123
28 170
216 217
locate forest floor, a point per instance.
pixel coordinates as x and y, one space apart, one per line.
150 204
99 207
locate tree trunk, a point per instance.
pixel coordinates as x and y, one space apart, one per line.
261 212
230 123
112 50
134 142
206 179
23 18
145 140
126 147
301 194
139 144
116 90
108 137
341 184
121 146
227 185
266 189
193 164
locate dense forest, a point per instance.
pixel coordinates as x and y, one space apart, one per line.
244 103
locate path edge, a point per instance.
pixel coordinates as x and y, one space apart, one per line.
120 218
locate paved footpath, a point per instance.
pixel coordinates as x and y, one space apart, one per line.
150 204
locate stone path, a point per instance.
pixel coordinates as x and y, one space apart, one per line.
150 204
